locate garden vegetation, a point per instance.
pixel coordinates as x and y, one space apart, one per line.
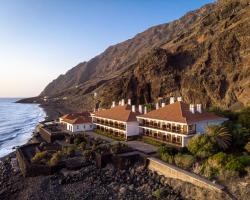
222 153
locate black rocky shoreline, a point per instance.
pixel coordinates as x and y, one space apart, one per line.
88 182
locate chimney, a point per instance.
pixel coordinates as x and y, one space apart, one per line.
129 102
198 108
163 105
179 98
145 110
191 108
157 106
140 109
123 102
133 108
172 99
113 104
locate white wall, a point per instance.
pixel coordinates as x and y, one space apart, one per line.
132 128
201 126
80 127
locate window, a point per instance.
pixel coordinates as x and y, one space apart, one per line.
77 127
90 126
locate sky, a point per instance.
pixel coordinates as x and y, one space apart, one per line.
41 39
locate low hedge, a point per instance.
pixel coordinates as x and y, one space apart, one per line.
185 161
151 141
109 135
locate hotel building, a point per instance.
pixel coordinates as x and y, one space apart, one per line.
120 120
176 123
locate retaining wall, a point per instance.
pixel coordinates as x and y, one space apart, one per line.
172 171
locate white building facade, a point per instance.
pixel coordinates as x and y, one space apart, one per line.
176 123
120 120
78 122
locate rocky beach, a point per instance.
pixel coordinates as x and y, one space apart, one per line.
85 183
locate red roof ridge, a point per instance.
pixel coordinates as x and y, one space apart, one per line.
77 118
179 112
120 113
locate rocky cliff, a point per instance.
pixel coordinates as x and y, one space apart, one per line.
204 57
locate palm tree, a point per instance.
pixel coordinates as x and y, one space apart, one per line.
220 135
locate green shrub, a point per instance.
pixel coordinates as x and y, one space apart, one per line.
39 156
167 158
235 165
215 165
240 135
159 193
245 160
208 171
166 149
55 159
244 117
218 160
167 153
184 160
226 175
201 146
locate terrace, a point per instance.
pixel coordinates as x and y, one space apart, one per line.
164 138
110 131
110 123
169 127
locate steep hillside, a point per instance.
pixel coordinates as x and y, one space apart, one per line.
204 57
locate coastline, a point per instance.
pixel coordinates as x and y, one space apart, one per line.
52 112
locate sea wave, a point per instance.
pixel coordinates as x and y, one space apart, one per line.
17 121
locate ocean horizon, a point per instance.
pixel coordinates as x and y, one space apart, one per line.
17 122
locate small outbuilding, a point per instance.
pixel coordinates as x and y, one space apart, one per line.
77 122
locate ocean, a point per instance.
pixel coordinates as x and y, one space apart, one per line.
17 122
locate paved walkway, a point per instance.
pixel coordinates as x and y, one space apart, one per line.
137 145
142 147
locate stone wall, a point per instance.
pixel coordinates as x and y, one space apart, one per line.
171 171
31 169
49 136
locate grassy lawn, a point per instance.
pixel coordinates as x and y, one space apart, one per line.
109 135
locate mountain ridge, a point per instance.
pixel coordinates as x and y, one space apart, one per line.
203 56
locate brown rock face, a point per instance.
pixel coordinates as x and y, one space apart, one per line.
204 57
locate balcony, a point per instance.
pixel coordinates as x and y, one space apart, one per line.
110 124
110 132
166 128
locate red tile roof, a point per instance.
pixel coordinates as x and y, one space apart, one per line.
77 118
119 113
179 112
